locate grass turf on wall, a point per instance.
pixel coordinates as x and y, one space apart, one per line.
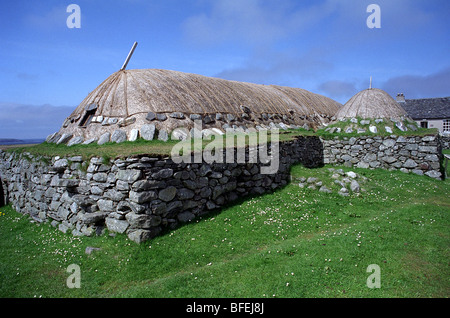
295 242
161 148
115 150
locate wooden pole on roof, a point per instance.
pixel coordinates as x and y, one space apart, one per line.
129 56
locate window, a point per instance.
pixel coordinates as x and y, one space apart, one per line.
424 124
87 118
88 115
446 125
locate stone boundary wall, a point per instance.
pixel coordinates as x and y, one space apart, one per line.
140 195
419 155
445 142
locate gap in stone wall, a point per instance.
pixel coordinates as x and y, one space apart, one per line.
2 195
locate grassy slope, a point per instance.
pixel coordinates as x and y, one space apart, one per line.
292 243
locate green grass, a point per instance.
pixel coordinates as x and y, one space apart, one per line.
380 128
110 149
447 152
113 150
159 148
294 242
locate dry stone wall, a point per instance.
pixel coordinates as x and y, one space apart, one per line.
445 141
140 196
419 155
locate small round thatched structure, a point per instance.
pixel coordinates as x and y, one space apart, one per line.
372 103
129 99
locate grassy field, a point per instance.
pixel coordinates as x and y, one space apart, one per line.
295 242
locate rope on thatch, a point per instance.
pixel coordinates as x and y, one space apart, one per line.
115 81
129 92
371 103
125 91
156 92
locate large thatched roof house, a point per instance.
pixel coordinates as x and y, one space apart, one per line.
130 100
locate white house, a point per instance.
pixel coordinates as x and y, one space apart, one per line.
428 112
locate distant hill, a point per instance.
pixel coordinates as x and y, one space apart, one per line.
9 141
12 141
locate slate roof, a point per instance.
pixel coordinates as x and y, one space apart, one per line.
427 108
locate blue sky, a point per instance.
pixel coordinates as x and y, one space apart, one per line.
46 68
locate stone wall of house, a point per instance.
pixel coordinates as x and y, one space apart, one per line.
419 155
140 195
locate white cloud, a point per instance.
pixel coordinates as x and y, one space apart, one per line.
286 68
253 22
243 20
31 122
338 89
49 20
425 86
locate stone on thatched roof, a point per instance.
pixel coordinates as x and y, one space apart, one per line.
371 103
129 99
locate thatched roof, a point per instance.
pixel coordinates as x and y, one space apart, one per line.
372 103
131 98
129 92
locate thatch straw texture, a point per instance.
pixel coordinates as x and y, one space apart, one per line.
130 92
129 99
372 103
